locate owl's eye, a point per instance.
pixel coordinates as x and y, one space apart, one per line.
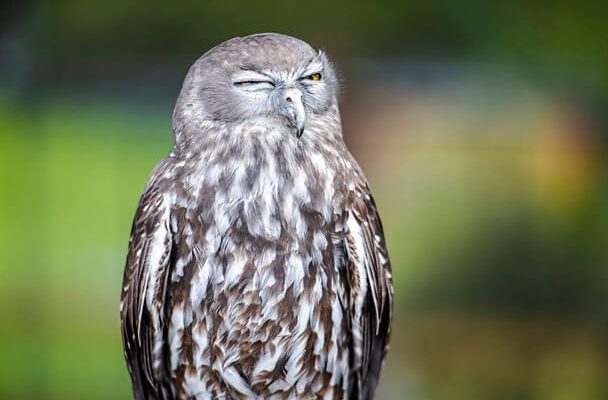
254 85
248 83
314 77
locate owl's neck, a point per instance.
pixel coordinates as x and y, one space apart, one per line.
251 172
194 131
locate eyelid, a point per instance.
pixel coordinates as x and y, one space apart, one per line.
251 82
254 84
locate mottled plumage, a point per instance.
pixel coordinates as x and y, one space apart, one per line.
257 266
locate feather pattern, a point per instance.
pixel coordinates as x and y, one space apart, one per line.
143 295
371 285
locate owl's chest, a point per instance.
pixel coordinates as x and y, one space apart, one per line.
271 311
257 276
248 226
267 198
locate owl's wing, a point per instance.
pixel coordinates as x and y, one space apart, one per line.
371 291
143 294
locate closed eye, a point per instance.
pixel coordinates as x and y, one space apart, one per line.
245 83
254 85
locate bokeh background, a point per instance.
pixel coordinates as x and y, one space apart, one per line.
482 128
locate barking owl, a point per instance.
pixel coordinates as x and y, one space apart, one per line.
257 267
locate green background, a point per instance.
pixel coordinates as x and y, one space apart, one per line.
481 128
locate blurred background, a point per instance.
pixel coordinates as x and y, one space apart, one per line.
482 129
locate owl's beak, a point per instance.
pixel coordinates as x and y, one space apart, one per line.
295 109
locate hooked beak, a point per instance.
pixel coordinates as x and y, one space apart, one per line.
295 109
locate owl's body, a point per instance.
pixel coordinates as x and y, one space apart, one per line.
256 266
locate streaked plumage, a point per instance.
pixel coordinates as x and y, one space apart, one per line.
257 266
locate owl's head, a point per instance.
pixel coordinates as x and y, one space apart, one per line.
264 75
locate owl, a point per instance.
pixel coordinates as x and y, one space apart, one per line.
257 266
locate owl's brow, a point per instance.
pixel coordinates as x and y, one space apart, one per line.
254 71
314 65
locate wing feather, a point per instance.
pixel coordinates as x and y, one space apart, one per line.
371 289
144 285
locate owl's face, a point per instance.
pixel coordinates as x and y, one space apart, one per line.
265 75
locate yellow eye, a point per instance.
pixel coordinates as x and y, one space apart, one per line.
315 77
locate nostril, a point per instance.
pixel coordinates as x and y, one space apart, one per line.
289 100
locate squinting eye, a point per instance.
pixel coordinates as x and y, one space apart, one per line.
314 77
248 83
